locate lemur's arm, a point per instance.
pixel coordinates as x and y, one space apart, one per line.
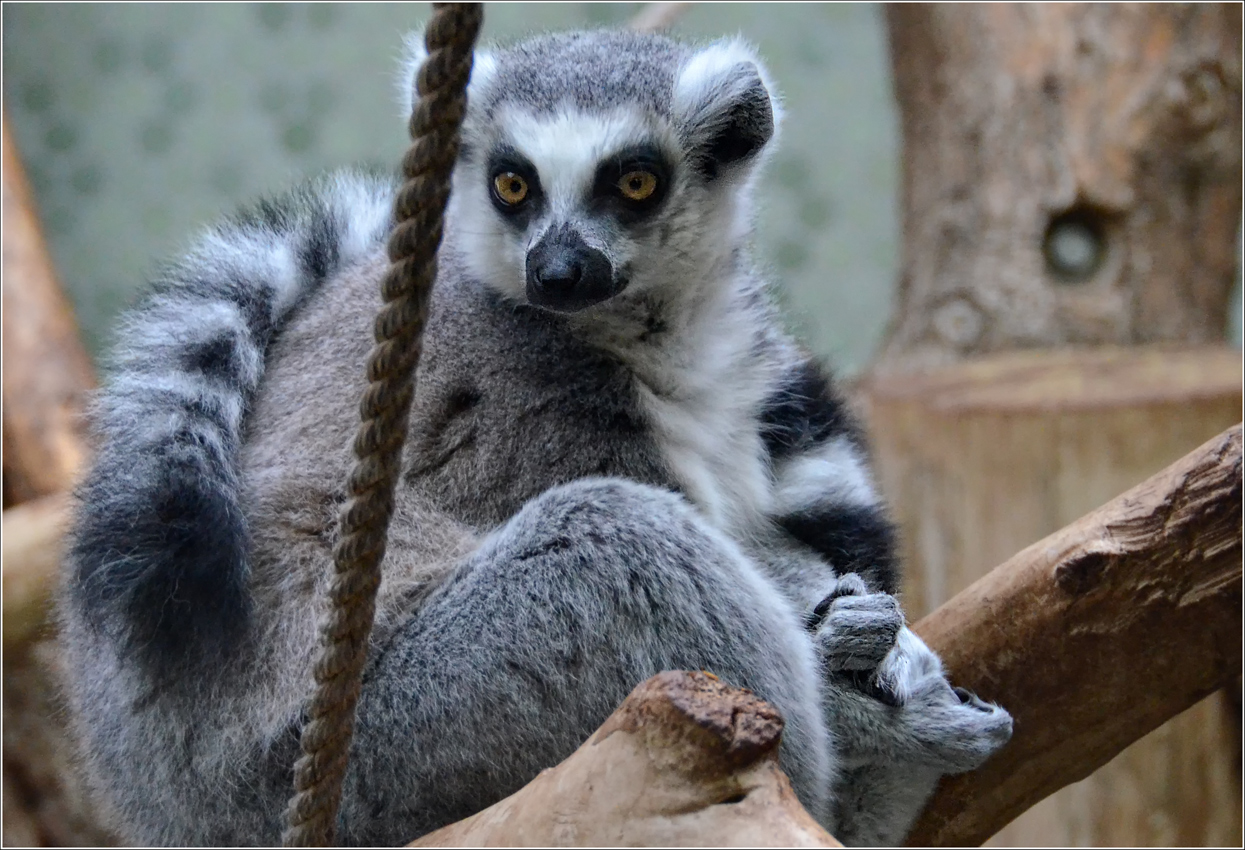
824 492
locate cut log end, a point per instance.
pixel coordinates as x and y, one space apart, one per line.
729 727
685 760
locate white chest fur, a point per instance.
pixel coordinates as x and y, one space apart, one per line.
701 399
718 463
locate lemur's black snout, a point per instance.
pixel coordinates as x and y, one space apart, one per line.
559 273
565 274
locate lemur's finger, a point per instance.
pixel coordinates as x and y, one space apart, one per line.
858 632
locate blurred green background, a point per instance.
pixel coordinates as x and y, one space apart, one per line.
138 124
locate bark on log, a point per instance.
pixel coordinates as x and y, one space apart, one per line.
1071 174
685 761
47 373
981 458
1094 636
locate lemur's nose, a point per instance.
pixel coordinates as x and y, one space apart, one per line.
559 273
565 273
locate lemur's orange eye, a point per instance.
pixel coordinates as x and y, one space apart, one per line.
510 188
638 185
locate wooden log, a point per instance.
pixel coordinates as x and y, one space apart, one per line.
47 373
685 761
982 458
1071 174
1094 636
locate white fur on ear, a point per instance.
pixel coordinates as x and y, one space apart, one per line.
483 65
712 75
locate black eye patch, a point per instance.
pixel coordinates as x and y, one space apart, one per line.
507 161
633 182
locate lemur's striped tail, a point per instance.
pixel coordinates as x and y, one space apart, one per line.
159 548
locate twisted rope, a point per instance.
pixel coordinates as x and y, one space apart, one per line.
442 84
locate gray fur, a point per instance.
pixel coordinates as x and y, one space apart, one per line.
590 494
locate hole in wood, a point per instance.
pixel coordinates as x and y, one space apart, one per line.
1075 244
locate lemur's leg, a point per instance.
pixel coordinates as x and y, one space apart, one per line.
521 654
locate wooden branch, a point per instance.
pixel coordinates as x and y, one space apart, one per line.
655 17
1094 636
46 370
685 761
33 541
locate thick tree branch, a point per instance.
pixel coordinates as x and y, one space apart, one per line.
1094 636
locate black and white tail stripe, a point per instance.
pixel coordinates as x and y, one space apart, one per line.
825 496
159 547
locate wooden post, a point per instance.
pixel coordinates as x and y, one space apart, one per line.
1071 175
982 458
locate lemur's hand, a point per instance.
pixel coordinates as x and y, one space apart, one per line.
885 677
908 712
855 629
897 731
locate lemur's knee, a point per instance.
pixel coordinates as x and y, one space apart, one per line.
604 512
607 529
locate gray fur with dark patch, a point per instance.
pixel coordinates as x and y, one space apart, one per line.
589 496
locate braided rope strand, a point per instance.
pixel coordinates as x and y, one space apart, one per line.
442 83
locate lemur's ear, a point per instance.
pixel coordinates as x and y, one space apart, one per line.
482 67
724 105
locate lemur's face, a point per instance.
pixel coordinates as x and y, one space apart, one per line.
605 163
568 210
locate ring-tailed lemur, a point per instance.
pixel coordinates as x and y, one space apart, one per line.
618 463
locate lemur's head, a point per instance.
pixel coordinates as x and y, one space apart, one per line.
602 162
